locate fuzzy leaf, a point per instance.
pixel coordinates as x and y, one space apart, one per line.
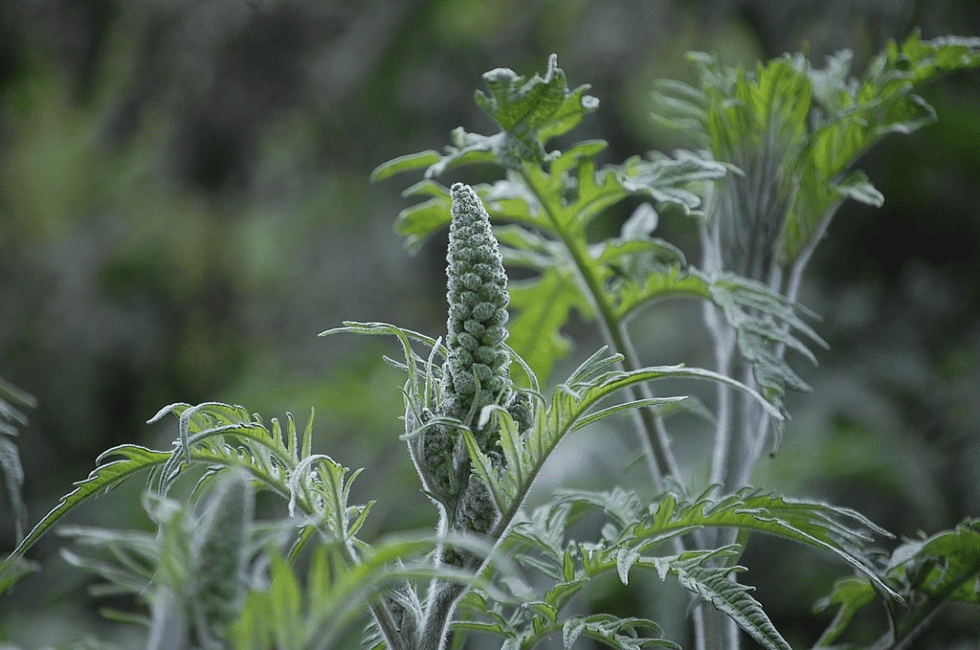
727 596
615 632
670 180
529 112
127 460
840 531
854 114
532 111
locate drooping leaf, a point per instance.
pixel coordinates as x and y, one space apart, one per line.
113 467
839 531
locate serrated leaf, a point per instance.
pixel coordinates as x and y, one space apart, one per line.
951 560
657 284
671 180
840 531
615 632
727 596
612 250
563 591
623 507
531 111
856 114
571 631
128 460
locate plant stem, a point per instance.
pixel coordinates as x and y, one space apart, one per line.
437 616
653 436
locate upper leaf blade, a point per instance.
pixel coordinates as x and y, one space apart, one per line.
128 461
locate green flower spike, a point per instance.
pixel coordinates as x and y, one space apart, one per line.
476 372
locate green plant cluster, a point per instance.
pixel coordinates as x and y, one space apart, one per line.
483 413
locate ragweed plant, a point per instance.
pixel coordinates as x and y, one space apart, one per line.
480 419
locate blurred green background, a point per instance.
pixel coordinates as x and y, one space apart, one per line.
184 205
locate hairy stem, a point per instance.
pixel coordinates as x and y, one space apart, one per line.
443 601
653 437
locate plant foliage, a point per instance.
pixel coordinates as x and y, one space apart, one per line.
483 413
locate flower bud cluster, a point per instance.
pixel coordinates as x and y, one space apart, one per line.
474 375
476 372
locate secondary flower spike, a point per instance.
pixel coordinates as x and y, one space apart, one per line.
477 367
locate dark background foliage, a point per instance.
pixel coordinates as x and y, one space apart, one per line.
184 205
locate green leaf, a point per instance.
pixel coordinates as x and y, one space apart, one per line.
625 559
253 629
726 595
404 163
655 403
930 573
417 222
615 632
857 187
839 531
532 111
635 291
543 305
850 595
570 404
954 557
529 111
13 570
285 599
669 180
128 460
854 114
